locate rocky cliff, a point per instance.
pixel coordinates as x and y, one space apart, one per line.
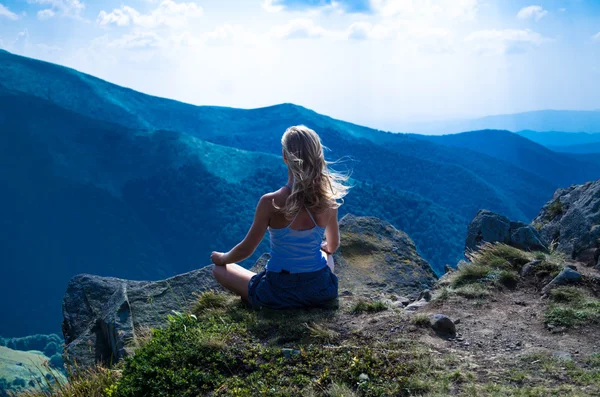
105 318
572 220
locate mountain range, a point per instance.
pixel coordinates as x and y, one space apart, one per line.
568 121
101 179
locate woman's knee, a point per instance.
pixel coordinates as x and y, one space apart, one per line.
218 273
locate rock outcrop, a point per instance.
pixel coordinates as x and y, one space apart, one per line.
375 259
572 219
104 317
491 227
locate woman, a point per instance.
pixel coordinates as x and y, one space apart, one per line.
300 270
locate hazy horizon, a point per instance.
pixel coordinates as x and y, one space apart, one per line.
387 64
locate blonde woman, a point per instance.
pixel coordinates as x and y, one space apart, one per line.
300 270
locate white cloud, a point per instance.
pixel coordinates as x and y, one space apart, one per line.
67 8
532 12
5 12
507 41
427 9
299 29
366 30
168 13
137 40
341 6
562 9
45 14
272 6
596 37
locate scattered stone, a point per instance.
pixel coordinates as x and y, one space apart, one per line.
416 305
572 266
457 321
363 378
528 267
426 294
565 277
442 325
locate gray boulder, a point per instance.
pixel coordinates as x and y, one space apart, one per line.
442 325
490 227
376 259
565 277
103 316
572 219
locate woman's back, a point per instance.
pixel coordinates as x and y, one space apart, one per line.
296 243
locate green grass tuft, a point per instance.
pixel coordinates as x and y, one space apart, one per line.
209 300
421 320
473 291
571 307
470 273
368 307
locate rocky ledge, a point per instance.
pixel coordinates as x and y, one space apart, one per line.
105 317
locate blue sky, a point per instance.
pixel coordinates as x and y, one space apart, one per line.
383 63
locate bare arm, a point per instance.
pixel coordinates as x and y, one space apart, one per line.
255 235
332 234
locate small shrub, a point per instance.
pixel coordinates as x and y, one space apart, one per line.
508 278
555 209
368 307
421 320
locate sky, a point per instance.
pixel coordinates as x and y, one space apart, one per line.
381 63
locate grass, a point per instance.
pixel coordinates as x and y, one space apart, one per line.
91 382
473 291
209 300
421 320
470 273
228 350
571 306
364 306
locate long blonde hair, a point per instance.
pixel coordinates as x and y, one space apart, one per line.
315 187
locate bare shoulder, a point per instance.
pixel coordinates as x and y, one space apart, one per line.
266 201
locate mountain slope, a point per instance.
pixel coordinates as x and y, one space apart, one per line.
587 148
557 138
523 153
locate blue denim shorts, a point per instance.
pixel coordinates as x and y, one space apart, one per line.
289 290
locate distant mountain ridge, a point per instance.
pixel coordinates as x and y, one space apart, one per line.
522 153
572 121
553 139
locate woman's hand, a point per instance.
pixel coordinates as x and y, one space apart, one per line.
324 248
218 258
